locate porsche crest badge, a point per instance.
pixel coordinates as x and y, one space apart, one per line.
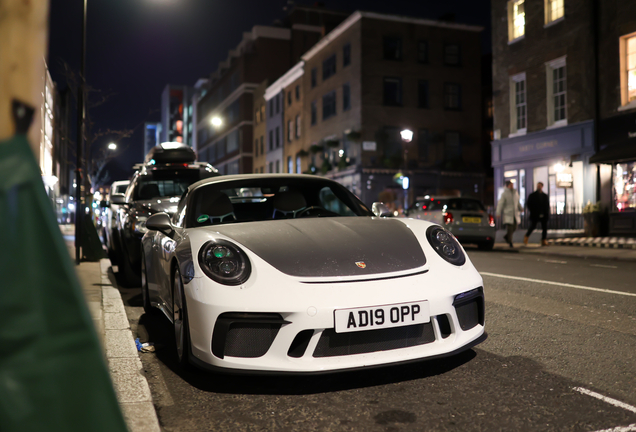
361 264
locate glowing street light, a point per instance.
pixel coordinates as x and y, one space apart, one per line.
216 121
407 135
112 146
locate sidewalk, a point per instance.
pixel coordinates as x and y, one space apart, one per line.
107 309
571 243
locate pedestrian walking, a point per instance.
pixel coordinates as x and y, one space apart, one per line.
509 209
538 205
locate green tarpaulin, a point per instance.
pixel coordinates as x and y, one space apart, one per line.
53 375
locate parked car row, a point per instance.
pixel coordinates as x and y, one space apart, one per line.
292 273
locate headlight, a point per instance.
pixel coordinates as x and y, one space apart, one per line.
446 245
139 225
224 262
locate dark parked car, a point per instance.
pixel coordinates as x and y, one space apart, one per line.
155 187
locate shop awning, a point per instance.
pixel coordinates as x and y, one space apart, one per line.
625 152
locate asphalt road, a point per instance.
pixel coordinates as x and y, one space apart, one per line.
560 357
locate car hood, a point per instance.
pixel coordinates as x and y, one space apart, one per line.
328 247
157 205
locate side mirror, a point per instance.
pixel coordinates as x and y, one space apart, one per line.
159 222
119 199
380 210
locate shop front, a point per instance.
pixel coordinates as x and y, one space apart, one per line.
558 158
617 158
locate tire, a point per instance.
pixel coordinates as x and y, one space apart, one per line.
145 294
180 321
487 245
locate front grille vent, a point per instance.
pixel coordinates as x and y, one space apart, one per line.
248 335
332 344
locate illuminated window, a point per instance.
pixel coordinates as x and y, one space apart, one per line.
556 92
628 69
518 104
516 19
553 10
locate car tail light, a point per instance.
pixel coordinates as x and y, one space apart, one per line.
448 218
491 220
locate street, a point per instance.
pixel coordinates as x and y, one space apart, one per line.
559 356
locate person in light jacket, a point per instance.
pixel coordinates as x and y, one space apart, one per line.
509 209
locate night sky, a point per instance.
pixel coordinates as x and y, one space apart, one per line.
136 47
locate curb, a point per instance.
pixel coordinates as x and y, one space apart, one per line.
602 242
126 370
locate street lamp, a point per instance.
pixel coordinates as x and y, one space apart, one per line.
407 137
216 121
112 146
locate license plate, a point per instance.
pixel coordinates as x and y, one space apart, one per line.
379 317
471 220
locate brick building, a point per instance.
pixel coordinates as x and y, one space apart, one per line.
260 128
561 71
265 53
375 75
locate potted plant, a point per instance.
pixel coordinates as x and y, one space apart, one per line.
592 219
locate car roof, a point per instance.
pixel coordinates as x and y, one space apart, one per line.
234 177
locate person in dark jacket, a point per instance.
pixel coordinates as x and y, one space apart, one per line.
539 206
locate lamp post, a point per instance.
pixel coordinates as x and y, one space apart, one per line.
407 137
79 195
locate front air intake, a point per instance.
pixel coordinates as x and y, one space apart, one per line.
247 335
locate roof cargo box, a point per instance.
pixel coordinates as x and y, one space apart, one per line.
170 152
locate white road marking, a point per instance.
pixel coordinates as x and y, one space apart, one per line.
630 428
606 399
603 266
559 284
556 261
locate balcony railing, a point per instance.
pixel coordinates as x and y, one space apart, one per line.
568 217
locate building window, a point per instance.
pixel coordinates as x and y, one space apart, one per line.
289 97
278 97
422 52
329 67
553 10
452 96
271 107
346 55
329 105
422 94
346 97
277 165
298 171
290 130
557 92
422 144
314 112
297 92
314 77
277 137
452 55
392 91
628 69
290 165
516 19
518 104
297 125
271 167
452 146
392 48
271 140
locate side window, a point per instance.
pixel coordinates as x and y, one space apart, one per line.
332 203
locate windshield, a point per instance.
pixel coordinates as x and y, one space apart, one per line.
120 189
261 199
165 183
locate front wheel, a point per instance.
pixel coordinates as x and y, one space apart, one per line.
180 320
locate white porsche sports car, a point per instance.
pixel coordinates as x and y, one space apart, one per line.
293 274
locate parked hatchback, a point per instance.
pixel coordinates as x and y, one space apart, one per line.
466 218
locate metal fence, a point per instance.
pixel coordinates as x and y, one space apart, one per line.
563 217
